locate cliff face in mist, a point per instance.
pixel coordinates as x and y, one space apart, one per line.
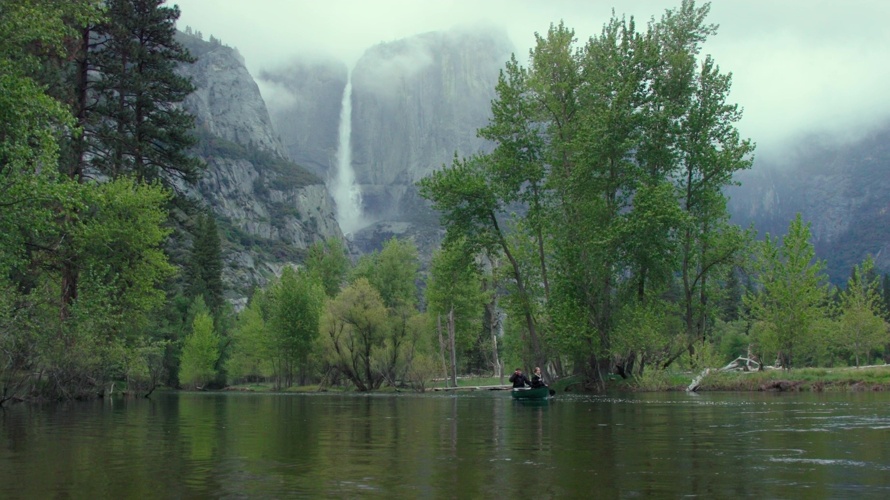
415 103
843 190
269 209
226 101
306 110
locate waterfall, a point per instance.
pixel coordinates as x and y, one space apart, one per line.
345 191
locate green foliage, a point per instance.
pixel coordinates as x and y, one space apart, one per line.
604 189
353 330
643 334
295 306
328 262
792 296
118 242
861 326
731 339
205 266
136 126
251 349
392 272
455 286
657 379
424 368
200 349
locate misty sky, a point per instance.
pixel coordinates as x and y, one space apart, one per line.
798 66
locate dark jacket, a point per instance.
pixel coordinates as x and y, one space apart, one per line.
518 380
537 382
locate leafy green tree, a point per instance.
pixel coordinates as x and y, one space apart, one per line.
31 122
886 294
468 201
251 350
791 298
120 247
354 331
454 293
711 151
604 184
296 302
200 350
392 271
860 316
328 261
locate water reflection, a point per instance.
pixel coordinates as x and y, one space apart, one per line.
466 445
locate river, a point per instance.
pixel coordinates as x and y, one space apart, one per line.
468 445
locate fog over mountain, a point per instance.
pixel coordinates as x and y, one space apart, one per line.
798 66
414 80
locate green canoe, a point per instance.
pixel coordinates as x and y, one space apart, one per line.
529 393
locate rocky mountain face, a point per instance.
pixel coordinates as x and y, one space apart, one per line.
843 190
306 110
417 102
269 208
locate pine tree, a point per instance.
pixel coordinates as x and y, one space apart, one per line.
205 267
138 128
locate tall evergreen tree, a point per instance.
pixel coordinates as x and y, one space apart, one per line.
138 127
205 266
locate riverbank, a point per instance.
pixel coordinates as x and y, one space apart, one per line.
869 378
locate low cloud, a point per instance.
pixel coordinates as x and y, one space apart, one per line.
798 66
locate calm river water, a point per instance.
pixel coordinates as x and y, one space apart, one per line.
470 445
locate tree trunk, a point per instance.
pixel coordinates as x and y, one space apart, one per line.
442 348
453 349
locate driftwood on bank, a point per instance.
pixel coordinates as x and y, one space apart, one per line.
740 364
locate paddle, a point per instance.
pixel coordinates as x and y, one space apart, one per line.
552 392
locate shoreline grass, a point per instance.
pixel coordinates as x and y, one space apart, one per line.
870 378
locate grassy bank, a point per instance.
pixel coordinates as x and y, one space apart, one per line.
872 378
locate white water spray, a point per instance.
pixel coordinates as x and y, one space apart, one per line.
345 191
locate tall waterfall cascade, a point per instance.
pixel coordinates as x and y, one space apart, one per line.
345 191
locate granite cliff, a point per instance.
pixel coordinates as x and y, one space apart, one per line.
417 102
306 109
841 188
269 208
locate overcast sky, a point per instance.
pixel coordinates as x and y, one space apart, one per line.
799 66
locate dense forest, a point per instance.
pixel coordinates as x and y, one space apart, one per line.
593 239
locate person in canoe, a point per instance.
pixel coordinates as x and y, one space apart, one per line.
518 379
537 378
